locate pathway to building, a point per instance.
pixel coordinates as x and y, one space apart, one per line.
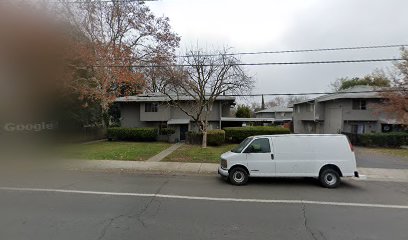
161 155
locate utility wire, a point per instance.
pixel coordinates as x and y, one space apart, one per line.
256 64
313 93
81 1
305 50
298 94
103 1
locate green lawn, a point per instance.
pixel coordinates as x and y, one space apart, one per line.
135 151
194 153
391 151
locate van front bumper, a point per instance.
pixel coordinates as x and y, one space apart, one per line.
223 172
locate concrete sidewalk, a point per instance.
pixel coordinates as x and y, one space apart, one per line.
161 155
158 167
374 174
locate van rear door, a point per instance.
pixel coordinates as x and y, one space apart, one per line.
259 157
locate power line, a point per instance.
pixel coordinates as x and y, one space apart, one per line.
258 64
313 93
297 94
95 1
305 50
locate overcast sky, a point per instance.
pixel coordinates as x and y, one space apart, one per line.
268 25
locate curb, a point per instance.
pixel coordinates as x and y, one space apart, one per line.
148 167
177 168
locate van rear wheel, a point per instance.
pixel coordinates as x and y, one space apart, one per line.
329 178
238 176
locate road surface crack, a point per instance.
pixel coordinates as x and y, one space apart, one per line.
107 226
305 223
146 207
139 215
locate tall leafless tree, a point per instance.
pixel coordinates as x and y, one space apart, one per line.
204 76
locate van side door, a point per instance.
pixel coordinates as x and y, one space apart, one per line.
259 157
295 156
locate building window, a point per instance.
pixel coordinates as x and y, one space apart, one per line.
358 128
151 107
359 104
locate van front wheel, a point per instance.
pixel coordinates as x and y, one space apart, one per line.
238 176
329 178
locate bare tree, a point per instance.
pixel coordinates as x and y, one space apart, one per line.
201 79
278 101
294 99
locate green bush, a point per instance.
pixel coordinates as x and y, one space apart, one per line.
167 131
194 138
132 134
243 112
237 134
383 139
214 137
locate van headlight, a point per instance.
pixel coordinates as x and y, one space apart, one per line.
223 163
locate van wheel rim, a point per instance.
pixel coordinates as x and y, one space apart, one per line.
330 179
238 177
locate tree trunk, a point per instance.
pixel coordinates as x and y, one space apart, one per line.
204 143
105 119
204 132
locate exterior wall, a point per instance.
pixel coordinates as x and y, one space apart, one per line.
357 115
134 115
277 115
130 115
265 115
301 113
304 111
340 112
162 114
214 114
212 125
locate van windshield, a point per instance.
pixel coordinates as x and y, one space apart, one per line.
242 145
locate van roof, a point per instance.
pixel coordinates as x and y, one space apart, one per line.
300 135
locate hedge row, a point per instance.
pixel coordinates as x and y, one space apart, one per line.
214 137
167 131
383 139
132 134
237 134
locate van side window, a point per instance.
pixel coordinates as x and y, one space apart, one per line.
260 145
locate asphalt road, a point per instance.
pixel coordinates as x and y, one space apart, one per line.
124 206
370 159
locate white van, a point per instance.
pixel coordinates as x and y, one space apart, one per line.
324 156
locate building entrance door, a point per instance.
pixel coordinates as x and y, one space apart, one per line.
183 132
